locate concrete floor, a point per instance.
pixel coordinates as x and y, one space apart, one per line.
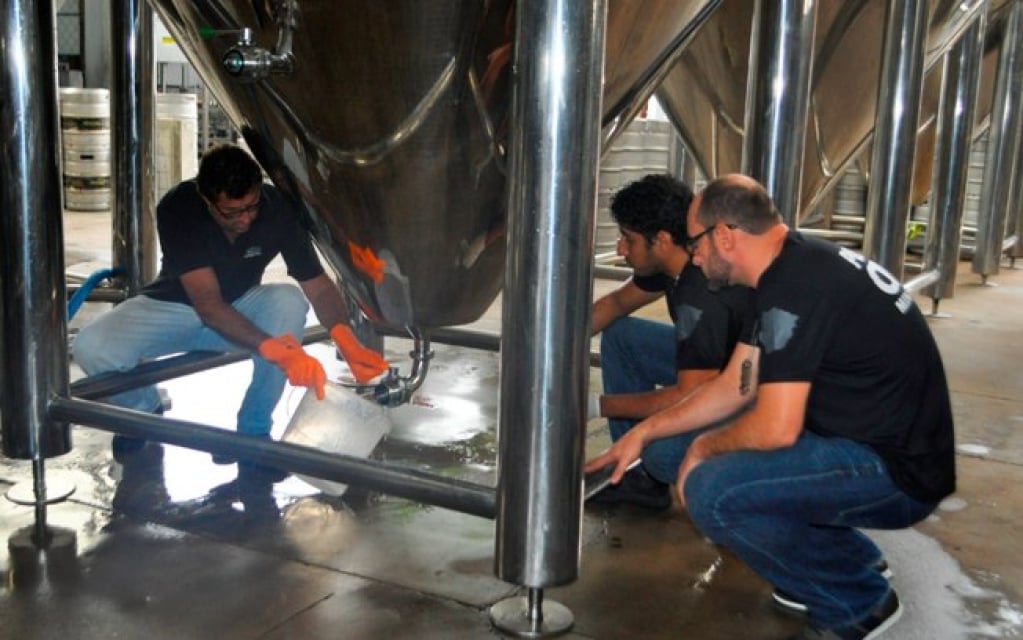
165 545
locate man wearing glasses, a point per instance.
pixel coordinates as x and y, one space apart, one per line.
845 416
648 365
218 233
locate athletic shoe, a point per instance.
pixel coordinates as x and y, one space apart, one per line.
636 487
877 622
791 604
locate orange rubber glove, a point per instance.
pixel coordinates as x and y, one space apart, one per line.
367 262
302 369
365 364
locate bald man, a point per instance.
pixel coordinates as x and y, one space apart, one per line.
842 418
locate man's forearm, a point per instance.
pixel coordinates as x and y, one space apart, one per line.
639 405
233 326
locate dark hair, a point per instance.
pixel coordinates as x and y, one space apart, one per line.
654 203
738 201
229 170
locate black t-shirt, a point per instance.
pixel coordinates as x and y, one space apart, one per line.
830 317
190 238
707 324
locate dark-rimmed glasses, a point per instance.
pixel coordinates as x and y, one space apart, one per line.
691 243
234 214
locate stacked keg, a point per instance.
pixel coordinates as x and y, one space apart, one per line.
177 142
85 132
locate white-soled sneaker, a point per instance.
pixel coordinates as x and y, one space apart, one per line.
882 618
791 604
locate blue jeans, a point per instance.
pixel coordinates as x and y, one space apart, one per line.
142 328
636 356
791 515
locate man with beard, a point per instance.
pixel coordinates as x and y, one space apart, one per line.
648 365
842 415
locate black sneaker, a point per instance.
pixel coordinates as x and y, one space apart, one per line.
636 487
791 604
877 622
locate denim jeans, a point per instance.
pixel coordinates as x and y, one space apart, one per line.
636 355
142 328
792 515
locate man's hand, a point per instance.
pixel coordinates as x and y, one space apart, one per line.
365 364
302 369
622 453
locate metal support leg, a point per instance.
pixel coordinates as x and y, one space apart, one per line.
898 115
33 325
778 99
960 83
553 162
1001 162
526 617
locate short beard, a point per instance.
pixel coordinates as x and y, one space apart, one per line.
718 271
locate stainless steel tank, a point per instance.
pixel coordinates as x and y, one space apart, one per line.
705 92
388 121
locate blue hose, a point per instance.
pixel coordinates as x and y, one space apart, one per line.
90 283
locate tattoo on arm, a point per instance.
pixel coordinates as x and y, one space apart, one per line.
747 374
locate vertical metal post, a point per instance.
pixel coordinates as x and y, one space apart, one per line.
553 164
898 115
1016 204
778 95
34 325
133 136
960 84
1001 161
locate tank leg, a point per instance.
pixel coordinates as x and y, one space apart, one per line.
526 616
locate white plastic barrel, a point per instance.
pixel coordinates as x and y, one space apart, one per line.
177 142
85 133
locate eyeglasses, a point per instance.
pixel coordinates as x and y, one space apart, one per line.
234 214
692 243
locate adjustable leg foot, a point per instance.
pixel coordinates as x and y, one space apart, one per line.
530 617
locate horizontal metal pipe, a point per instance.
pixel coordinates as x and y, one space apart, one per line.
100 294
919 282
611 273
455 337
449 493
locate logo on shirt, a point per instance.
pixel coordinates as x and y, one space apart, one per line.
777 327
881 278
687 317
252 252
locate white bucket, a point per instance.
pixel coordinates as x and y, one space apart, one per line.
342 423
177 140
85 132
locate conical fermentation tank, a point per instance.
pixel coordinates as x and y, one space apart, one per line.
388 122
704 93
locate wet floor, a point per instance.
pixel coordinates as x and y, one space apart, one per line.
164 544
